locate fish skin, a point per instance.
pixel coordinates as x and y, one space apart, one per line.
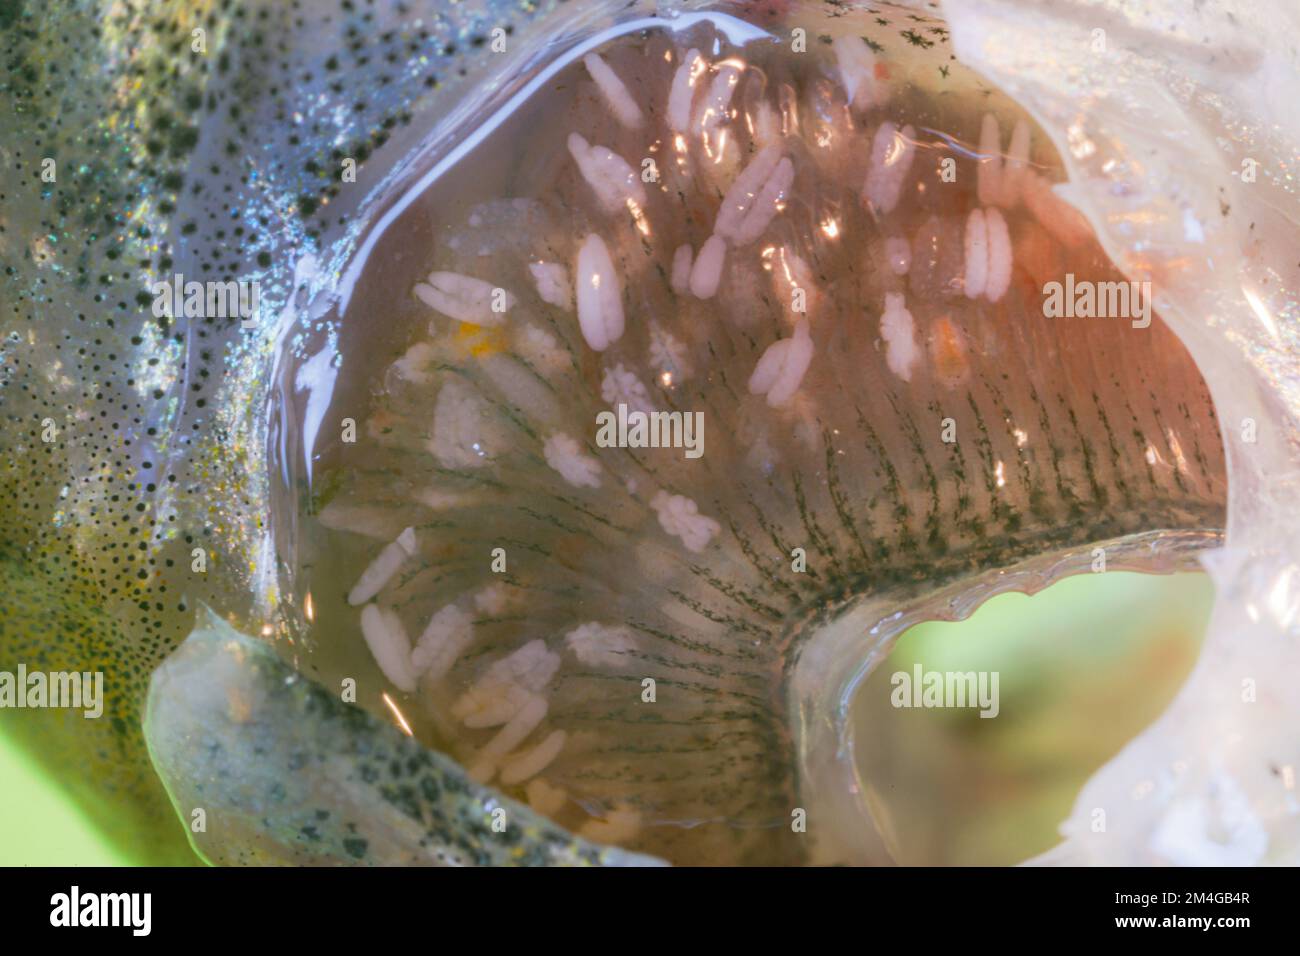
226 718
107 611
136 121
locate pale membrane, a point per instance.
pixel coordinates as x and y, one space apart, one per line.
1210 754
1169 121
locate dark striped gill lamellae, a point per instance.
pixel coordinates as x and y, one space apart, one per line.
804 270
844 277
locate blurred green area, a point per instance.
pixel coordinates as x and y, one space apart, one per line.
1083 667
39 823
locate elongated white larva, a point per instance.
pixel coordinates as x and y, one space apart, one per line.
977 254
389 645
892 151
621 102
447 635
614 182
751 202
707 271
998 279
782 367
682 94
465 298
508 738
381 570
532 762
600 296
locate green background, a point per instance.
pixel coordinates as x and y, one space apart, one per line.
1102 652
39 825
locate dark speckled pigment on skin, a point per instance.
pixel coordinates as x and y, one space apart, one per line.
225 164
214 164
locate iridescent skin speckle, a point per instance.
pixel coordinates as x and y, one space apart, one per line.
227 719
227 164
220 163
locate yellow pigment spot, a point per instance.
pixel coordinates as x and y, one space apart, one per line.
480 341
948 352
